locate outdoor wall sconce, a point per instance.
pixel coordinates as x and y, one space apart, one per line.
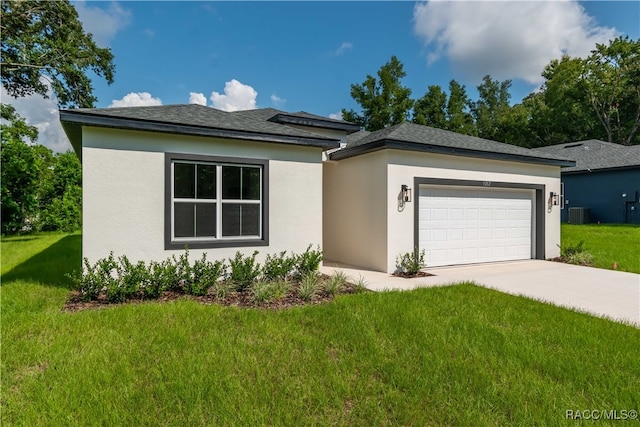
554 198
406 193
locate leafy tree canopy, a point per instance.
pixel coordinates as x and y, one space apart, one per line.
40 190
611 79
43 43
384 101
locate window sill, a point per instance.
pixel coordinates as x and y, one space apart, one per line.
199 244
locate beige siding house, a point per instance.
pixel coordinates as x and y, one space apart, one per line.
157 179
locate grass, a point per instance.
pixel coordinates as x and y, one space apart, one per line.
608 244
458 355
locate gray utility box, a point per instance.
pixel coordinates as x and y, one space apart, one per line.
579 215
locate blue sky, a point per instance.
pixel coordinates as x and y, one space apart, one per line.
305 55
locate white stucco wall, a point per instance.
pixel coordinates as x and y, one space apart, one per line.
403 166
355 213
364 230
124 192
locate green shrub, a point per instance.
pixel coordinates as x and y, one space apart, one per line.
94 279
164 276
309 286
360 285
278 267
183 270
281 288
157 281
222 288
576 254
130 280
203 275
411 262
244 270
261 292
335 283
308 261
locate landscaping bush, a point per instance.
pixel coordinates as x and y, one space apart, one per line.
93 279
131 279
261 292
278 267
244 270
120 280
309 286
360 285
308 262
576 254
281 288
183 270
335 283
410 263
204 275
164 276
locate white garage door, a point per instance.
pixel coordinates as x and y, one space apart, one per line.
464 225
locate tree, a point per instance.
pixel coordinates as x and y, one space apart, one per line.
40 190
431 109
566 106
19 173
611 78
43 43
60 198
458 117
384 101
491 108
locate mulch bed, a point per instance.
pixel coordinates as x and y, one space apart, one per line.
413 276
233 299
565 261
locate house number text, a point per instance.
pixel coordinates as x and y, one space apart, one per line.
486 183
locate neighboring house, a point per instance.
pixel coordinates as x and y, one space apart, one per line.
605 179
157 179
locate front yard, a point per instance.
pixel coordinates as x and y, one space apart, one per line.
457 355
609 244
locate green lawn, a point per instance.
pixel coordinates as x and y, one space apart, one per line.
607 244
458 355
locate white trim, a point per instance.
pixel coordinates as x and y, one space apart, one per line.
218 201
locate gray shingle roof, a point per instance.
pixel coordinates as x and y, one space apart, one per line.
199 115
351 139
300 118
191 119
593 155
411 136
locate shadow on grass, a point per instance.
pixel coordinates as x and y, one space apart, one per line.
50 266
22 239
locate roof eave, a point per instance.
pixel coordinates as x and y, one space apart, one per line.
71 119
349 128
594 170
438 149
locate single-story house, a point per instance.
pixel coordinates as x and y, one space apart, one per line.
605 181
156 179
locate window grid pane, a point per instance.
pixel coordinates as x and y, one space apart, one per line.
184 180
206 182
217 218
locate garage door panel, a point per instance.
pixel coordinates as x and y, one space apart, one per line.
468 225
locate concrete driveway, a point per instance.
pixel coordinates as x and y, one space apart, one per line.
605 293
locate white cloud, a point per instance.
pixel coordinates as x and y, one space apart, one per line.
336 116
237 96
277 101
43 114
103 24
135 99
197 98
507 40
344 47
